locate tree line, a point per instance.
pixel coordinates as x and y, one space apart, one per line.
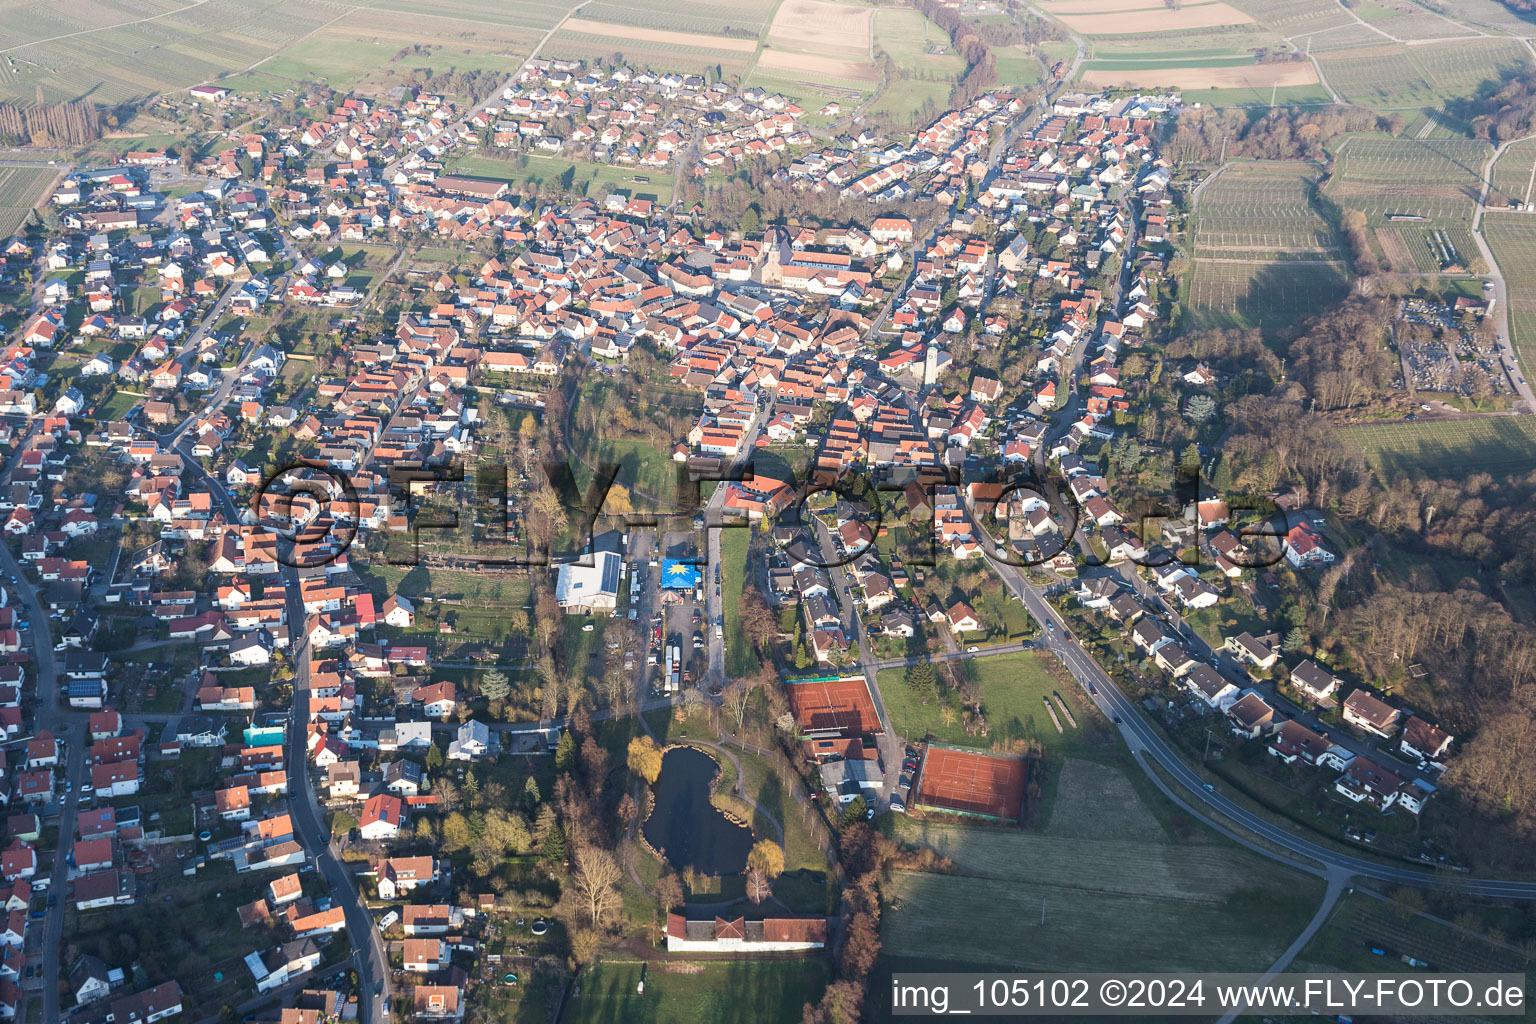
62 124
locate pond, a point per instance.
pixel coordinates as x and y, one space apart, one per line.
685 826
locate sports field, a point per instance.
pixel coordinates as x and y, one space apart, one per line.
1502 445
1114 889
20 190
971 782
1264 255
832 703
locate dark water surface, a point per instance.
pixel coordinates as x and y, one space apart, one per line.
685 827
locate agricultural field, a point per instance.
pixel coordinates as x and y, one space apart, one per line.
1233 41
742 18
1513 178
918 46
1418 196
1406 20
20 190
817 41
648 38
649 54
1087 17
1260 82
1260 208
369 51
1264 255
1360 922
1115 889
534 14
775 990
115 61
1494 444
267 44
1490 14
1268 295
1297 18
1393 75
1512 237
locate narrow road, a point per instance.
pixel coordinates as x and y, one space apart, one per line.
57 718
1506 347
1337 882
452 131
367 945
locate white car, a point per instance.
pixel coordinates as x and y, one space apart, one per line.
972 649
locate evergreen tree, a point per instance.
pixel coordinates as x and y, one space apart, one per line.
1294 641
494 685
554 845
565 752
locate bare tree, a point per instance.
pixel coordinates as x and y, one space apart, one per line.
738 698
596 879
758 886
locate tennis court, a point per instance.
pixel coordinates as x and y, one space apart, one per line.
969 782
833 703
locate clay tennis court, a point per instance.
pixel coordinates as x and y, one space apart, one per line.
970 782
833 704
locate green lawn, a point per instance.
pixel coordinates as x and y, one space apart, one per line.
592 180
740 659
1012 687
742 991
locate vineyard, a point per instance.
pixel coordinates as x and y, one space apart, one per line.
1439 448
20 190
1514 174
1297 17
744 19
1262 210
1418 195
1264 255
1396 75
1360 924
1512 237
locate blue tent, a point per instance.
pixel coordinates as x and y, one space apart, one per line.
677 575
